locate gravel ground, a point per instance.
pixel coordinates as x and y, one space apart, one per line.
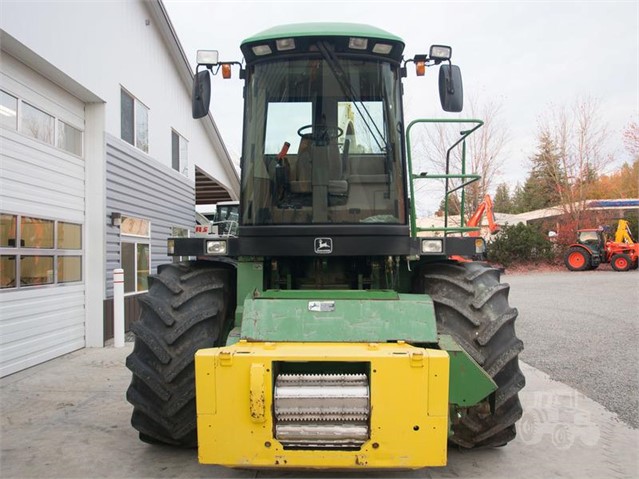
583 329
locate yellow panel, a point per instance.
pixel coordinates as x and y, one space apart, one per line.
409 405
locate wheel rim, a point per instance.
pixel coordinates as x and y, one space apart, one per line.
576 259
621 263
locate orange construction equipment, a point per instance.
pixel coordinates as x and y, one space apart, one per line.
484 208
593 248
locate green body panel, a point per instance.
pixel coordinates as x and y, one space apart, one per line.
250 278
339 316
469 383
327 294
323 30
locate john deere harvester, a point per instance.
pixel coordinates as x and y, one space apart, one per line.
328 333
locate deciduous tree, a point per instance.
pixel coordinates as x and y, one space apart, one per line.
484 150
579 136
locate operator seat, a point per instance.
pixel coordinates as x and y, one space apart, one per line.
301 178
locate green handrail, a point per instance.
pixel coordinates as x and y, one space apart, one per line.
447 176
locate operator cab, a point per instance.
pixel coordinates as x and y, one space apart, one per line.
594 238
322 128
323 168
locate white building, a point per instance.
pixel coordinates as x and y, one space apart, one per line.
99 158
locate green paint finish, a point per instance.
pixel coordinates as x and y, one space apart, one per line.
323 30
250 278
366 295
469 383
340 316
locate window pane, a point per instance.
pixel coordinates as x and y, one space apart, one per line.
36 233
69 138
143 267
7 271
141 127
127 260
363 125
179 232
175 151
37 124
69 269
283 121
7 230
69 236
184 158
126 117
8 109
134 226
36 270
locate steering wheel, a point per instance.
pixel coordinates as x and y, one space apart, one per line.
323 133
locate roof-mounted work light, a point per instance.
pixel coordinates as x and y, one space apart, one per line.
440 53
207 57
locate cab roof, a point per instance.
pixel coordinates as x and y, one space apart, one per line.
322 30
305 34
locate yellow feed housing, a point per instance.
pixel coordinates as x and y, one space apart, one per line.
322 405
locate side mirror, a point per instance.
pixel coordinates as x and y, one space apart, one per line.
451 91
201 96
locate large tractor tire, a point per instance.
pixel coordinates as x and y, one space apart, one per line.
185 310
577 259
472 306
621 262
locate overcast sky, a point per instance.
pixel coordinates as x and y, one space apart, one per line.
528 55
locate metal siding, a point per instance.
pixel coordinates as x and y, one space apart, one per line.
38 324
40 180
139 186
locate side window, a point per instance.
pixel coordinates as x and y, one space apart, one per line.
37 251
8 110
37 124
69 138
134 121
179 153
135 253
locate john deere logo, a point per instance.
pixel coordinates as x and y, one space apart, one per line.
323 245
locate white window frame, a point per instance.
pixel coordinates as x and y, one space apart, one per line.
136 104
135 240
56 125
55 252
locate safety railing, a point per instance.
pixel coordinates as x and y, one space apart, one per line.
466 178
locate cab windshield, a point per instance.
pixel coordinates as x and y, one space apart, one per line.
322 143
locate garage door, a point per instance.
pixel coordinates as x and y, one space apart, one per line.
42 212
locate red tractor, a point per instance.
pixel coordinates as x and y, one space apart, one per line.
593 248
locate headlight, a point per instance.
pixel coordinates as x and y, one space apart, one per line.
432 246
480 246
170 247
216 247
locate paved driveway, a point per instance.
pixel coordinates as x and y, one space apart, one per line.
68 418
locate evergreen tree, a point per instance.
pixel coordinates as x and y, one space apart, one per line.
541 187
517 199
454 205
502 202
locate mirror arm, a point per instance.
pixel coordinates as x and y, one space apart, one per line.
450 87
